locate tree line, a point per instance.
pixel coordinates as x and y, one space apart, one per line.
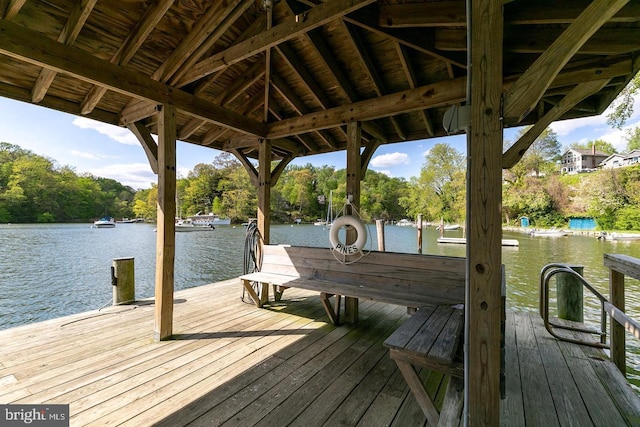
34 189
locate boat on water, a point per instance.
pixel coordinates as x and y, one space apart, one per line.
451 227
104 222
189 225
548 233
405 223
208 219
129 220
624 237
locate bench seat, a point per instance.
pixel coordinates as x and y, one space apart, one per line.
431 338
410 280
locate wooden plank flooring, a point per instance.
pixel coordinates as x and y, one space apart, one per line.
232 364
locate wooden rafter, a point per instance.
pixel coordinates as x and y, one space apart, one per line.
368 20
607 41
371 70
452 13
580 92
198 44
10 8
19 42
528 90
148 144
316 17
432 14
405 60
130 46
68 35
297 104
442 93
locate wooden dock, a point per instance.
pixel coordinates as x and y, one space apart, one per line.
234 364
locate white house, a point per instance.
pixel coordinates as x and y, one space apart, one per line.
576 161
612 162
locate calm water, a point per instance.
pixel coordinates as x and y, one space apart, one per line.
48 271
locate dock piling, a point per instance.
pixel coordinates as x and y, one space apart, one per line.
123 281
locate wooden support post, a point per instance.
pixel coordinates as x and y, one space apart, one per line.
618 338
354 169
123 280
166 238
484 233
419 227
264 190
570 295
380 234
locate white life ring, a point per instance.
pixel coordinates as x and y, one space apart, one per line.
354 248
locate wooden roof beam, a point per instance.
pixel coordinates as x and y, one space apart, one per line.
211 28
78 16
452 13
248 78
315 17
432 14
128 49
412 80
296 103
434 95
368 19
32 47
607 41
10 8
530 87
372 71
324 52
147 142
580 92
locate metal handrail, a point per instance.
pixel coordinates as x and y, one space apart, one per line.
547 272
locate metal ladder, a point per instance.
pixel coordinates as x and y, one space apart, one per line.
547 272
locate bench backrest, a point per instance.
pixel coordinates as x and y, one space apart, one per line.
432 278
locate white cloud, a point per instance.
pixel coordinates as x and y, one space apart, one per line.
85 155
390 160
386 172
135 175
121 135
565 127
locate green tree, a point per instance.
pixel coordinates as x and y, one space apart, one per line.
601 145
623 104
439 190
541 157
633 139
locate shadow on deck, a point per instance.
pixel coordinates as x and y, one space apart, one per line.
233 364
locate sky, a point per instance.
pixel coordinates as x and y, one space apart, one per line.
114 152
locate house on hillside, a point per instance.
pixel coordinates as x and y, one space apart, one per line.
613 161
631 158
577 161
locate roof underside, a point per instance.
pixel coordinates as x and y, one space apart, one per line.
394 65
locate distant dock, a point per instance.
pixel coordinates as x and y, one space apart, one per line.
463 241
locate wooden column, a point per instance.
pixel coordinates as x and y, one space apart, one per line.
484 171
354 170
166 238
264 189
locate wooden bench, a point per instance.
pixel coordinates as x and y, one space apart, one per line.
409 280
431 338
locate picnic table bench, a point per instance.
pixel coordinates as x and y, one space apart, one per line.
410 280
431 338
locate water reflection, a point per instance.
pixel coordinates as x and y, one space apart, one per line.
49 271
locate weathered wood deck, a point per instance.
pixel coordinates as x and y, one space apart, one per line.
234 364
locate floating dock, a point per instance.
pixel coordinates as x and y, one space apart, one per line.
463 241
